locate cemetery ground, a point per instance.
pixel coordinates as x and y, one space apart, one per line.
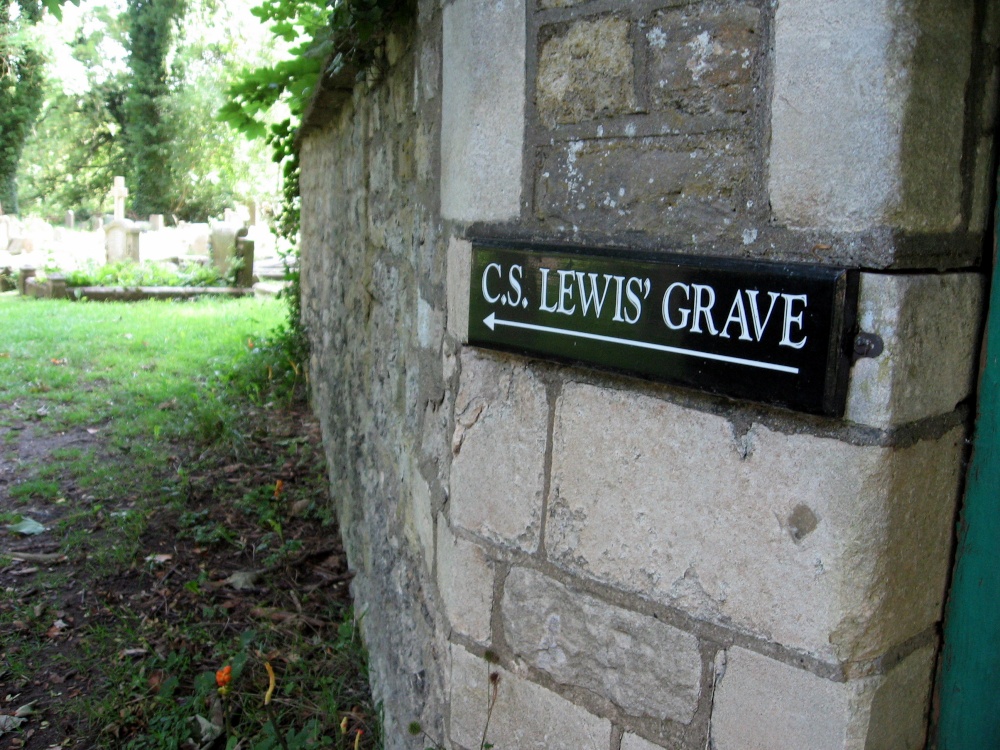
164 515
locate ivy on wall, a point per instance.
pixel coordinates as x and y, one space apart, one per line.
327 38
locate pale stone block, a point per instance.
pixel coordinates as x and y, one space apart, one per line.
586 72
929 325
497 474
421 522
643 665
482 110
762 704
465 579
526 716
635 742
459 275
835 549
854 84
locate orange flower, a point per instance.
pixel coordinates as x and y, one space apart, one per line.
279 486
223 677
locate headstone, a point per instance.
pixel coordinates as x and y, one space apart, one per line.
252 210
97 223
117 246
244 256
27 272
156 222
4 232
70 219
115 241
223 243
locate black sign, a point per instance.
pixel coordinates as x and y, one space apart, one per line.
769 332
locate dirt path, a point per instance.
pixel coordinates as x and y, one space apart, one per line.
123 600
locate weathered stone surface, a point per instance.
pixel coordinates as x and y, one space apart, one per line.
703 65
855 141
764 704
459 270
900 705
836 549
634 742
761 704
930 346
497 475
526 716
373 303
482 110
465 579
673 185
585 71
645 666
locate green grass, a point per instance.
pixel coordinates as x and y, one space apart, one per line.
157 392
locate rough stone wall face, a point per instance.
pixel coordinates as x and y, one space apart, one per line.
643 566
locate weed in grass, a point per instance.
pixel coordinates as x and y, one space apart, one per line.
35 489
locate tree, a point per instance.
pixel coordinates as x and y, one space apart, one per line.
21 74
152 24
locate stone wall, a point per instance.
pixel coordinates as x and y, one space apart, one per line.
647 566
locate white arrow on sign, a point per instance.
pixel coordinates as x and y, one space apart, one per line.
492 320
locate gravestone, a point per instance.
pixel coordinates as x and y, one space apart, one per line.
244 256
70 219
223 243
155 222
120 243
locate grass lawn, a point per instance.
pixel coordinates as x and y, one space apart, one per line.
163 515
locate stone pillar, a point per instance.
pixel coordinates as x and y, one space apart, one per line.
70 220
156 222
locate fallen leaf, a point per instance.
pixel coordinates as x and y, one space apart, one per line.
93 430
62 361
167 405
128 652
242 580
10 723
26 710
159 559
57 629
27 526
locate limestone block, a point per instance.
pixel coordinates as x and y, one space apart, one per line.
836 549
634 742
761 704
930 328
497 475
645 666
702 63
526 716
667 185
465 579
868 112
899 707
482 110
459 271
585 72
